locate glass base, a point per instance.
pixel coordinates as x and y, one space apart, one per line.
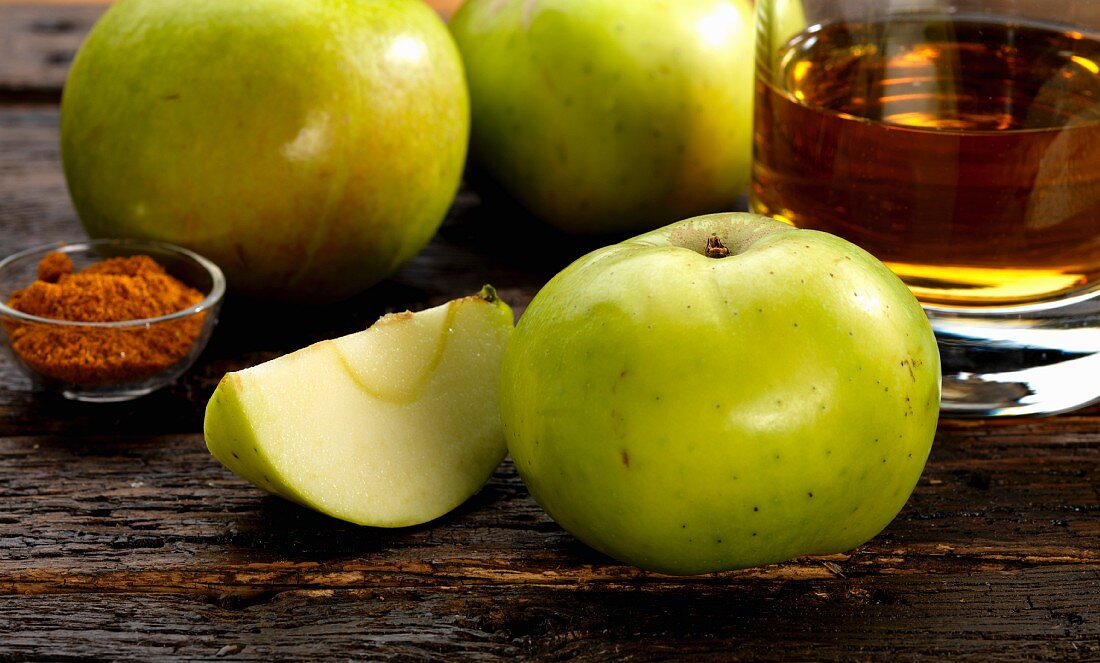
1037 359
106 396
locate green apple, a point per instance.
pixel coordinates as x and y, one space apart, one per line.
391 426
687 412
309 147
605 116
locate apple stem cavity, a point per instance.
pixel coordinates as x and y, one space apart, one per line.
715 248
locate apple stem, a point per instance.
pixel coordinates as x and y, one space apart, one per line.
488 293
715 248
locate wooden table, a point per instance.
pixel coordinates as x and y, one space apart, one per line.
121 538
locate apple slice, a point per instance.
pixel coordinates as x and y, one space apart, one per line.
392 426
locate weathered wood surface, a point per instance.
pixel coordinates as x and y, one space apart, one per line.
959 617
37 43
146 545
122 539
992 500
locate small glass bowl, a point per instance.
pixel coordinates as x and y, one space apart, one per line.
109 361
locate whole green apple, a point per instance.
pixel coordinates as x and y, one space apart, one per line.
605 116
309 147
724 392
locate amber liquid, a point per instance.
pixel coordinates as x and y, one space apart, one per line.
963 152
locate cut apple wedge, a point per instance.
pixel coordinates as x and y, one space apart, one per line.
392 426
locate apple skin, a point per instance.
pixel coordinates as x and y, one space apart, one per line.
603 116
688 414
309 148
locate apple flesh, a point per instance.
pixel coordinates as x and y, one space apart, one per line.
392 426
686 413
307 147
604 116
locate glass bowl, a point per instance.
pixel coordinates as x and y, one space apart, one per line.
109 361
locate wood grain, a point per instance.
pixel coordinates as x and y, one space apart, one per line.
37 44
993 618
137 543
997 501
183 523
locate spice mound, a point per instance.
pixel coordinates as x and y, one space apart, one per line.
114 290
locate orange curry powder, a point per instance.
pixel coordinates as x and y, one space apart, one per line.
113 290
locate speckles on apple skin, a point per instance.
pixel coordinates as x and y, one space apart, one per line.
625 457
622 374
909 363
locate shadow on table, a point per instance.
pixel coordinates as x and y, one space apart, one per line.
286 530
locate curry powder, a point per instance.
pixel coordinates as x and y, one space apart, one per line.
114 290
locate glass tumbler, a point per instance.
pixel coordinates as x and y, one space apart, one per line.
959 142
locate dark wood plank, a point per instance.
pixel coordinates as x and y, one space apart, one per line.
159 514
37 44
147 547
1033 614
34 207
